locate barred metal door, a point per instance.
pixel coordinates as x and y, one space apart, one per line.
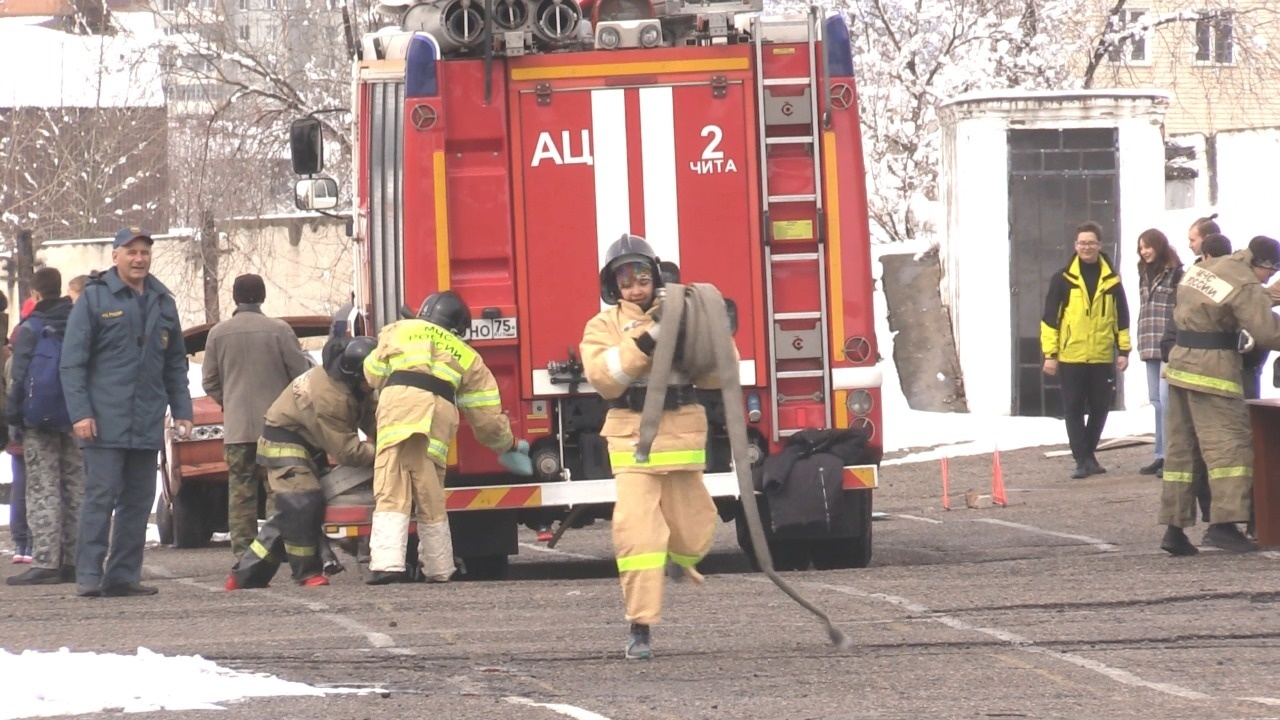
1057 179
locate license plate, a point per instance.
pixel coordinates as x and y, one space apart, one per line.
492 329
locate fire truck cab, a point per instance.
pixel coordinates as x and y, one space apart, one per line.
499 155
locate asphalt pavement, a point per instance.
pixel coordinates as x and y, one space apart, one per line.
1059 605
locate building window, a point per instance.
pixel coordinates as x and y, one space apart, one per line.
1131 47
244 4
169 5
244 33
1215 37
271 4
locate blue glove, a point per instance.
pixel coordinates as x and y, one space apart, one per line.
517 459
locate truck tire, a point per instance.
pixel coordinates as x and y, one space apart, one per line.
486 567
841 553
191 528
787 554
164 520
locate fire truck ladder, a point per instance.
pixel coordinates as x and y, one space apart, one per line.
770 136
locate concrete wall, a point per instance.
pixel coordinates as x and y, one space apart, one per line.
306 261
975 248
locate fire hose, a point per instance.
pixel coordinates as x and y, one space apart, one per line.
698 311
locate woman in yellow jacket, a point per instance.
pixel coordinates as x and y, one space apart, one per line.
1085 339
663 511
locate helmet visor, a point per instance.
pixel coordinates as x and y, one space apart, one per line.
635 273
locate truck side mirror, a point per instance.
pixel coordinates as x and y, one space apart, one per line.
306 146
316 194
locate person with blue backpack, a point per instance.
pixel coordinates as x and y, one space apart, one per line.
55 467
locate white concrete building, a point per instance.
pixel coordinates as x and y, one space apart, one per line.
1020 171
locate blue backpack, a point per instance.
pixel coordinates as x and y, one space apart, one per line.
44 406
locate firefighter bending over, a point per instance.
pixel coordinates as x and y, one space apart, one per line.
663 508
1217 300
425 375
316 416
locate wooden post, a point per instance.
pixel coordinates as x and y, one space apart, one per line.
209 267
25 265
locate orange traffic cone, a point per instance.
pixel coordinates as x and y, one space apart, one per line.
946 485
997 481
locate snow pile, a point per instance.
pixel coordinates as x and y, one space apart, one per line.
60 69
43 684
957 434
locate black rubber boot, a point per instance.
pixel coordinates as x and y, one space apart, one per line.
1175 543
301 514
261 561
332 566
1092 466
1081 472
1227 536
36 576
382 577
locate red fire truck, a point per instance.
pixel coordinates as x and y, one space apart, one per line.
499 155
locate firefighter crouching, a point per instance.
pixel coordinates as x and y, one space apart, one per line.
1217 300
425 374
663 509
316 416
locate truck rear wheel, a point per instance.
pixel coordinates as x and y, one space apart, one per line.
787 554
486 567
191 518
164 520
842 553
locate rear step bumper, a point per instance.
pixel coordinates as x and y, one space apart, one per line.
344 521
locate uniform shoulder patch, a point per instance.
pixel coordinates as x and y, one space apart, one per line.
1210 285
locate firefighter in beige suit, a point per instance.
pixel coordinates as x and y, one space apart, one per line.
425 375
1217 300
317 415
663 509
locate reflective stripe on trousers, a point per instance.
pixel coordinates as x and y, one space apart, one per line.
658 516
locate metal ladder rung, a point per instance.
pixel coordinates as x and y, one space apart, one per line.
793 257
790 140
770 82
794 22
807 315
792 431
805 197
785 374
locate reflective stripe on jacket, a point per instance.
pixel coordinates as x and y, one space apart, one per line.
1077 328
613 362
327 414
1220 295
419 346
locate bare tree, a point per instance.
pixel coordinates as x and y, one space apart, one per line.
910 56
1220 59
237 78
237 74
84 157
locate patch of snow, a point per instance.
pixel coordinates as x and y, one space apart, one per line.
36 683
